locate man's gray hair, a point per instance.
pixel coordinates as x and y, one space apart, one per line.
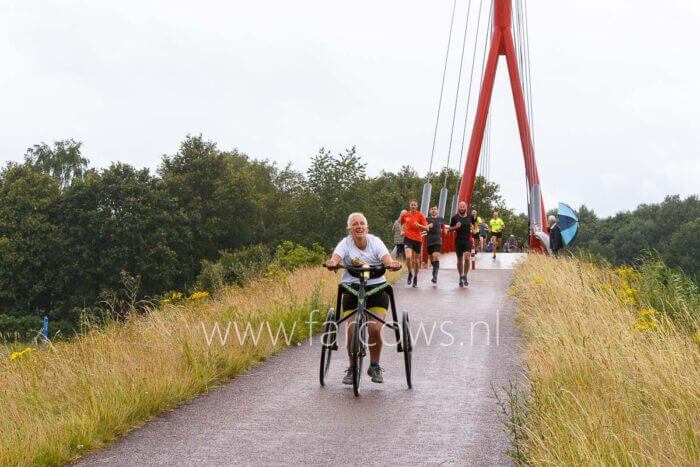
356 214
552 219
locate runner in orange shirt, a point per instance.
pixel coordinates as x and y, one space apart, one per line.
413 222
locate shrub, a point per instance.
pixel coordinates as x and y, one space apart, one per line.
19 327
668 290
290 256
240 266
211 277
234 267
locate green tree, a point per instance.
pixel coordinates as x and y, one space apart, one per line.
119 220
684 249
64 162
390 194
214 191
335 187
28 246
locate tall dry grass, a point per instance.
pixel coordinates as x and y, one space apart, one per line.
607 385
78 395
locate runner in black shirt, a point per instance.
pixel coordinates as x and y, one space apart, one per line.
463 224
436 225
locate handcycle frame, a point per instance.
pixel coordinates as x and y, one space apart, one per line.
362 313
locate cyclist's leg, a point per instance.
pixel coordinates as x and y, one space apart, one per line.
377 304
374 329
349 304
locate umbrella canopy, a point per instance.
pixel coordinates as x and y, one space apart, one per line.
568 223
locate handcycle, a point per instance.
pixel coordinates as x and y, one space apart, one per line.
358 344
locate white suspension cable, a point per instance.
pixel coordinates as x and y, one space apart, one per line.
459 82
471 77
442 88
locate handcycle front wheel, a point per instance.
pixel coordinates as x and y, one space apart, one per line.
328 341
407 347
357 351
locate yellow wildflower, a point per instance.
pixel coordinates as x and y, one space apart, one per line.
198 296
16 355
646 320
538 280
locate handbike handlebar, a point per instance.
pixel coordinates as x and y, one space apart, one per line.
374 270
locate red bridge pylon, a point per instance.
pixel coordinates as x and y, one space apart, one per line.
502 44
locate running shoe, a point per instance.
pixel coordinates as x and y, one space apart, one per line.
347 379
375 372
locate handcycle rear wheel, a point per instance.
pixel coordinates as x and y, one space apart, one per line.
328 340
357 351
407 347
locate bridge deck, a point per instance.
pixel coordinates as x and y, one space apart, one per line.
278 414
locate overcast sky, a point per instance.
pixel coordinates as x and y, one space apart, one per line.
616 86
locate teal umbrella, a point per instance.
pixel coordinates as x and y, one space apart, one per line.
568 223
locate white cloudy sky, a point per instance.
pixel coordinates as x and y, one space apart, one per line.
615 83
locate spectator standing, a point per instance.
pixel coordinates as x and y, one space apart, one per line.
556 242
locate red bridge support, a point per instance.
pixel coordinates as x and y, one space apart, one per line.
502 44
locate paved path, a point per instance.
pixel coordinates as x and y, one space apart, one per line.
278 414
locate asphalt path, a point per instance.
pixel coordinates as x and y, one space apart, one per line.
277 414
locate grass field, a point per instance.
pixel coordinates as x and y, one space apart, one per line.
81 394
613 361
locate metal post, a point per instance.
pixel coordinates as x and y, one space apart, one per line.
425 199
45 331
442 202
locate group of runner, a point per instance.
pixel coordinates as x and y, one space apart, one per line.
412 227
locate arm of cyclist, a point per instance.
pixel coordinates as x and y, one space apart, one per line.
333 263
390 263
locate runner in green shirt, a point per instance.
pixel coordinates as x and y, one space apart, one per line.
496 226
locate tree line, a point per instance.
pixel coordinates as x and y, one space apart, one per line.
72 235
670 228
